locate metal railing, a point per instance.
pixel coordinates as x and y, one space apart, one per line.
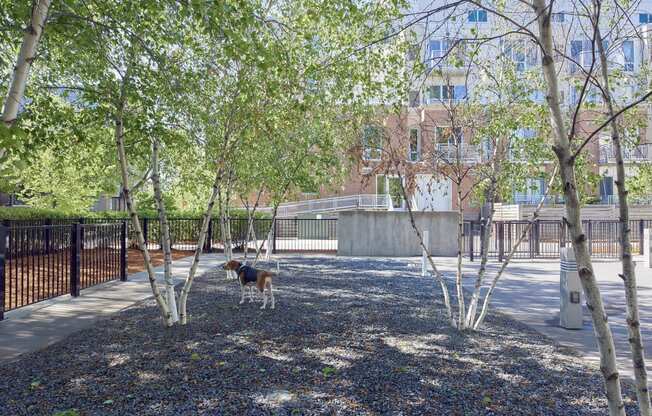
535 199
39 262
546 237
640 153
449 152
362 201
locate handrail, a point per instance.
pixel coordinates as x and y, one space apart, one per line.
337 203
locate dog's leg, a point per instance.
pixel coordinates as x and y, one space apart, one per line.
271 293
242 294
264 299
251 294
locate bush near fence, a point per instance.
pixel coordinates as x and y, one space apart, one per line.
38 215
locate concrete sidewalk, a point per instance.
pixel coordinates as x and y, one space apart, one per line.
36 326
529 292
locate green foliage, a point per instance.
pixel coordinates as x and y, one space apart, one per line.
639 185
27 213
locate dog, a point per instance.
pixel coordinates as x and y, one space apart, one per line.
248 277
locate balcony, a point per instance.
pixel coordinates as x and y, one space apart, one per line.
640 153
449 153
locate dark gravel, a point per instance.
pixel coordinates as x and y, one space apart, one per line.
348 337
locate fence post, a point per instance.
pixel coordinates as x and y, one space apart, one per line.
48 236
123 251
537 238
275 228
531 240
75 258
208 242
4 235
471 238
641 236
562 234
7 223
81 231
501 240
145 237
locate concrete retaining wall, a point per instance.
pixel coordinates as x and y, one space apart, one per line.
389 233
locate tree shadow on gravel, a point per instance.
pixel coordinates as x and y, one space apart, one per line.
348 337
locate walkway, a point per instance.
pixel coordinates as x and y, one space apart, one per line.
36 326
529 292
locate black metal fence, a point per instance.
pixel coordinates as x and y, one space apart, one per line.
42 259
39 262
545 238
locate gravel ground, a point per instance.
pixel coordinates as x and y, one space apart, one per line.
348 337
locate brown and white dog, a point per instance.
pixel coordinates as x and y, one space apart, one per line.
248 277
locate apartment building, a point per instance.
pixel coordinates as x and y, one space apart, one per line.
425 123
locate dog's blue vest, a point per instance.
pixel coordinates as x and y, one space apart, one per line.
249 273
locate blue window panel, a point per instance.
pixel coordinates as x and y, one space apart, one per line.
643 18
477 16
628 53
459 92
576 49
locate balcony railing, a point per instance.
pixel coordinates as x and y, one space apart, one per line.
534 199
640 153
467 153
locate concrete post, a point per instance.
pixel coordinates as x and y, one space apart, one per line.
424 254
570 294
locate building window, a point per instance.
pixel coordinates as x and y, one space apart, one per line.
372 143
644 18
628 55
438 93
581 53
414 152
477 16
437 50
521 53
558 17
449 136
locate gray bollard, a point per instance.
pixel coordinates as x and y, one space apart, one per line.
570 314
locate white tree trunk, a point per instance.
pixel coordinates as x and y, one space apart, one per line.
461 304
629 273
438 276
484 256
165 234
562 149
135 221
26 57
206 218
